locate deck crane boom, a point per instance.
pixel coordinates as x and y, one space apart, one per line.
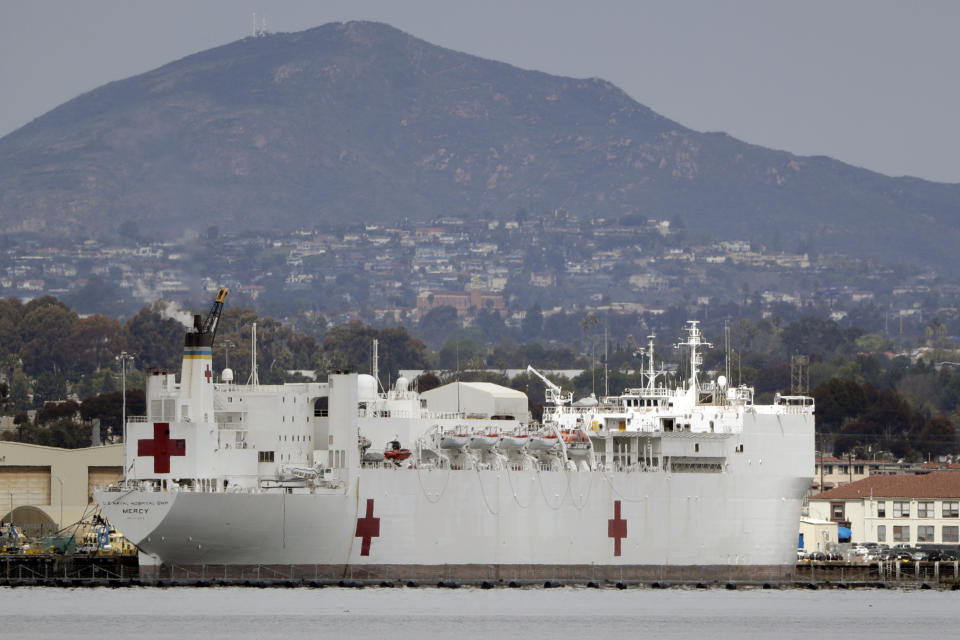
554 394
213 318
206 330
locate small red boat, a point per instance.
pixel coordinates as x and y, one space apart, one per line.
396 455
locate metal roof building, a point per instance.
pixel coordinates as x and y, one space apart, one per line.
478 400
49 487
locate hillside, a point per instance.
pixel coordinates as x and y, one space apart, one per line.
360 121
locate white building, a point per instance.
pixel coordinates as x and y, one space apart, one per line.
477 399
907 509
816 534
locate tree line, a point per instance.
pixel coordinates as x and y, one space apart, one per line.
868 399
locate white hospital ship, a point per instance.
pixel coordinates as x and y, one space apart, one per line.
338 480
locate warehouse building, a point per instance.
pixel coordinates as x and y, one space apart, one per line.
43 489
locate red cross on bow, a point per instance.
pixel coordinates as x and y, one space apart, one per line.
208 374
616 528
367 527
161 447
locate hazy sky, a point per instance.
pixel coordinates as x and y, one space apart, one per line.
869 82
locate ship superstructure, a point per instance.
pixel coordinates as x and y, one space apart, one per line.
341 478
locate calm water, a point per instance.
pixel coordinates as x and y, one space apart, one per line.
238 613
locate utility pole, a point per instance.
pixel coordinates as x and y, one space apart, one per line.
820 438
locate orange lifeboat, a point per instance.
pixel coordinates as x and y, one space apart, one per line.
397 455
574 436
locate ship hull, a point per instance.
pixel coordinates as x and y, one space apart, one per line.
496 525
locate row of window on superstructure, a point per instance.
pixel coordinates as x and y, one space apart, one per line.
336 458
270 456
641 402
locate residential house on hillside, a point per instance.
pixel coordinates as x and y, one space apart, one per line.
467 303
908 509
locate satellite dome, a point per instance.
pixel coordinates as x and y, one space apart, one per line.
721 381
227 375
402 384
366 388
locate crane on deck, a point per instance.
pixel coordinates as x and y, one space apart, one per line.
554 394
206 330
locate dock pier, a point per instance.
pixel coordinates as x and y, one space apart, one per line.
53 570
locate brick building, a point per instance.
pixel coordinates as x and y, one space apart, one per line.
467 303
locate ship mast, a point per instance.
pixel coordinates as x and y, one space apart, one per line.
694 340
376 364
254 379
651 374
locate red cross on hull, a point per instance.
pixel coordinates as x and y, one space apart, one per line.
616 528
368 527
161 447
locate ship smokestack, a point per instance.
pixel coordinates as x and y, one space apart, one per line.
196 378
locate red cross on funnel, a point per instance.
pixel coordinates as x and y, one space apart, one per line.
616 528
161 447
367 527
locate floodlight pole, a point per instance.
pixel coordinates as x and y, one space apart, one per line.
123 358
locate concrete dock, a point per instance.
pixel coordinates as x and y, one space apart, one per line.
55 570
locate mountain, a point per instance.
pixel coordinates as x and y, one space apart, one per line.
360 121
